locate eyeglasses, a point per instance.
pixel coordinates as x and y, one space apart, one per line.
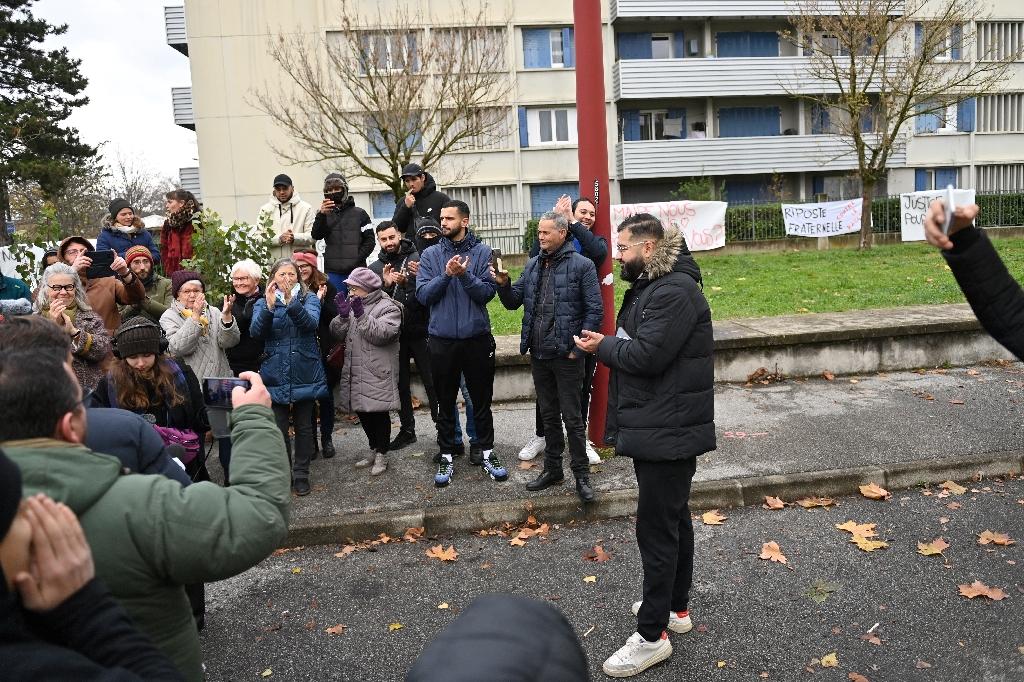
623 248
57 288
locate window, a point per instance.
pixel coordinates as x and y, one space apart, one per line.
475 50
378 141
661 46
486 200
1000 40
748 44
651 45
543 197
660 124
935 178
383 205
549 48
952 118
1000 178
488 127
540 127
1003 113
390 51
945 47
749 121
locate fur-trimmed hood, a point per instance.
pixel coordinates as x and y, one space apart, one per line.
672 254
137 225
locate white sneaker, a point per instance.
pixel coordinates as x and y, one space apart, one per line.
637 655
678 621
592 455
533 448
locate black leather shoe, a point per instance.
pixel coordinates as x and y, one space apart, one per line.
328 449
403 439
584 490
545 480
476 455
301 487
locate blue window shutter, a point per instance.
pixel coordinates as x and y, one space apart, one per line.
921 180
537 48
568 48
945 177
524 134
965 115
748 121
543 197
383 204
956 39
678 45
926 123
630 125
818 184
918 36
681 115
635 46
733 44
744 191
764 44
867 119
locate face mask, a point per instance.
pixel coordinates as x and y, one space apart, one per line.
631 270
337 197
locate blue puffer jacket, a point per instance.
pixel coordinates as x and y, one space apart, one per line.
292 369
577 304
122 241
458 305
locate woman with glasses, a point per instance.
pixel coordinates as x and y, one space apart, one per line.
62 300
247 356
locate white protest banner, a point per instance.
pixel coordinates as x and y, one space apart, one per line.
701 222
914 205
823 219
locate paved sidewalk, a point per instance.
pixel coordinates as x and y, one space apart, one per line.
809 425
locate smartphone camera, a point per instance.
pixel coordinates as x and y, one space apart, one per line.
217 390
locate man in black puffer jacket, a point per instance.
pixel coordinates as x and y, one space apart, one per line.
661 412
561 296
343 226
423 200
396 265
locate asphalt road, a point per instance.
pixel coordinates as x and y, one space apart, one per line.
754 618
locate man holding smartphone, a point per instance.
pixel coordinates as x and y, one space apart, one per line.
455 283
104 294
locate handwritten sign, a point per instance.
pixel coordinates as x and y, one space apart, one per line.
823 219
914 206
701 222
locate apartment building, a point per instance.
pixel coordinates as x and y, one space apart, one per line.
688 94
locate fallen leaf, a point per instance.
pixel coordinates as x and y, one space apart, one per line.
382 539
988 537
443 605
413 534
523 466
830 661
590 579
980 589
828 376
819 591
973 372
856 677
296 570
771 552
773 503
442 554
394 626
953 505
267 673
952 487
338 629
864 530
486 565
712 518
868 545
345 551
872 638
956 401
721 664
809 502
936 546
310 625
921 665
597 554
854 381
516 542
873 491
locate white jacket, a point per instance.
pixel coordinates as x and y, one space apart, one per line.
295 215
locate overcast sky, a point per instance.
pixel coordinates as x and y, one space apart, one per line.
131 70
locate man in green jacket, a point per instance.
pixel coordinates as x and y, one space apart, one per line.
158 289
149 536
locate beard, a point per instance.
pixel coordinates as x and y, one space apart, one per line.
631 270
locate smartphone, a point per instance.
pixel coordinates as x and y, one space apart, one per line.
101 262
496 260
950 209
217 390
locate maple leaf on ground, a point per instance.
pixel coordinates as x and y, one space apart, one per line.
770 551
296 570
873 491
597 554
830 660
936 546
712 518
413 534
442 554
864 530
345 551
516 542
338 629
868 545
953 505
988 537
394 626
856 677
952 487
810 502
819 591
523 466
872 638
590 579
980 589
773 502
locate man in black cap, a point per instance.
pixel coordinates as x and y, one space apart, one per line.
422 200
293 219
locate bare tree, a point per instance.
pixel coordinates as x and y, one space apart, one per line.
138 184
885 62
77 208
381 90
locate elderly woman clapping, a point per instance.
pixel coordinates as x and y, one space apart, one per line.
246 276
62 299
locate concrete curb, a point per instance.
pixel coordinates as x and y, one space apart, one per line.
720 494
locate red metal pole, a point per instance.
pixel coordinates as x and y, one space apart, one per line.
593 160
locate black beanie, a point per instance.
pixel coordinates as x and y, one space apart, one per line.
10 493
137 336
118 205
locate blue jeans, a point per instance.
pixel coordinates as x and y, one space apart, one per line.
338 280
470 424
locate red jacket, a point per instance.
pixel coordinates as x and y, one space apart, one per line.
175 246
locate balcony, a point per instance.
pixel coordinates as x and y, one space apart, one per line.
737 156
181 100
622 9
189 178
174 26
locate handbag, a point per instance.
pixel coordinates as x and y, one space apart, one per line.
336 357
185 438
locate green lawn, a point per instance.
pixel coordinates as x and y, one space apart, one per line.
793 282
